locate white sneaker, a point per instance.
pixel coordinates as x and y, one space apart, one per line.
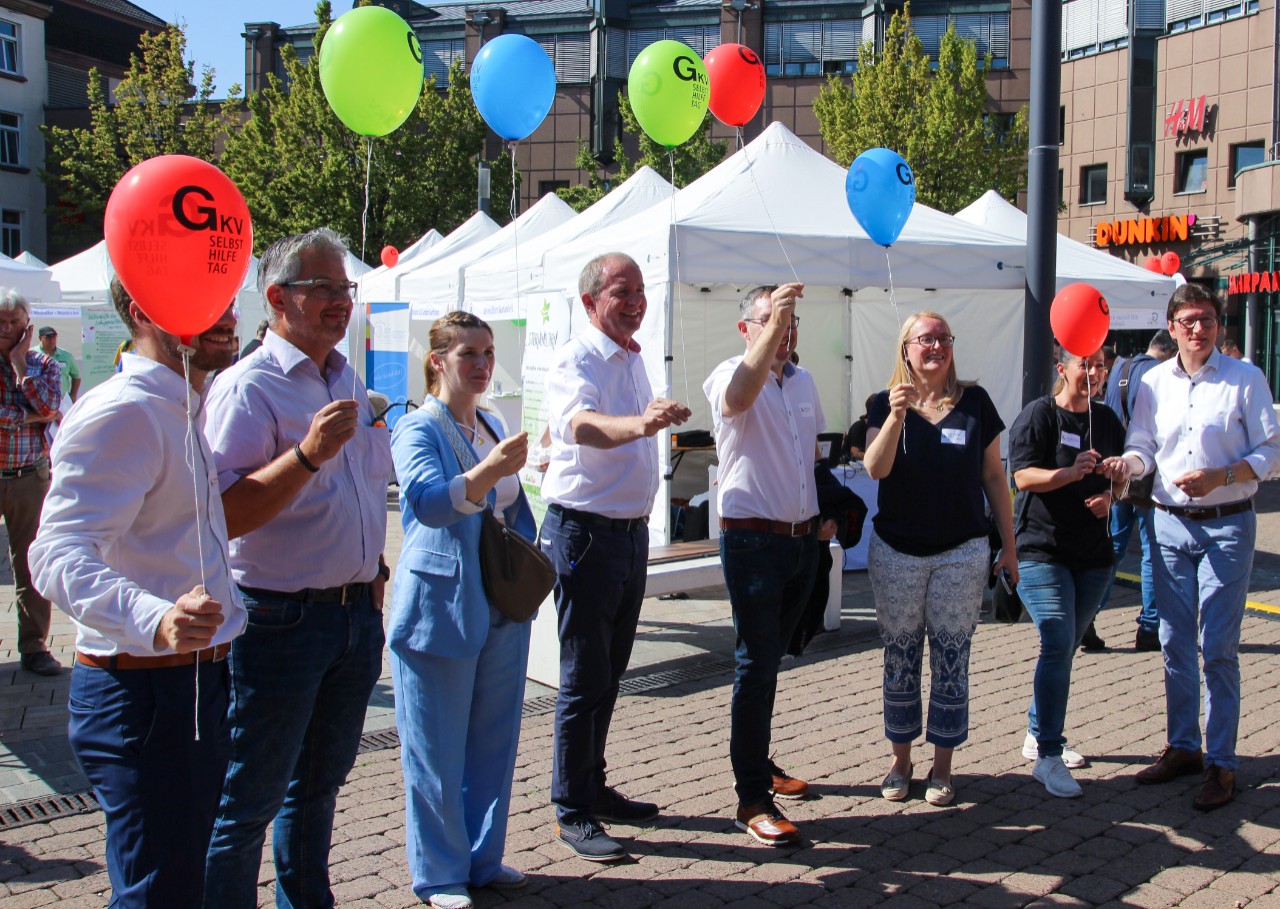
450 898
1056 778
508 878
1072 759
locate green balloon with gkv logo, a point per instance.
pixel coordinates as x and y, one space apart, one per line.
669 90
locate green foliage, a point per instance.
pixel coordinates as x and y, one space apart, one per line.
299 167
692 159
934 116
158 111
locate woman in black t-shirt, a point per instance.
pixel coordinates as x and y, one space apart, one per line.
934 445
1063 451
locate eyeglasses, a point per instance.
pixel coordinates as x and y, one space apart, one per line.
1189 323
795 321
927 341
326 289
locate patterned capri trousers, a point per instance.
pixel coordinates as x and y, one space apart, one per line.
939 595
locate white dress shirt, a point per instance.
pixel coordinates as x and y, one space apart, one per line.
767 452
593 373
119 541
1218 416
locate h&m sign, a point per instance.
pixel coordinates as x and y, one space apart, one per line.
1185 116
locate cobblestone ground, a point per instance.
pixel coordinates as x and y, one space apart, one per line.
1004 843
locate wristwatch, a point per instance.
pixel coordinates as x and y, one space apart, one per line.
1231 476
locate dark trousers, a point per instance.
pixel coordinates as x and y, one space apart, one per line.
769 577
21 499
133 732
598 594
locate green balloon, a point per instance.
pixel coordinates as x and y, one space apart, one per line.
669 91
371 69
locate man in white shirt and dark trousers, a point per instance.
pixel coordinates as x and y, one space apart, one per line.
119 549
767 419
1206 422
601 485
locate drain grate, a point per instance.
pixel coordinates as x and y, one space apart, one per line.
379 741
38 811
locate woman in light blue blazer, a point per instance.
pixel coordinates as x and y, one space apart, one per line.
458 663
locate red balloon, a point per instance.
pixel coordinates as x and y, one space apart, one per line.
1080 318
736 74
390 256
1152 263
1170 263
179 237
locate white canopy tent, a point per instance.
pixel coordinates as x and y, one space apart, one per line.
36 284
27 259
86 276
383 284
1137 297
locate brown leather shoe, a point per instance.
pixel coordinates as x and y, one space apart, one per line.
1218 788
788 787
1172 763
766 824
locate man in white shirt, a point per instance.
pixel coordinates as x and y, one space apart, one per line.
135 551
601 483
1206 422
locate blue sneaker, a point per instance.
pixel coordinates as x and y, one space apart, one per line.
614 807
586 839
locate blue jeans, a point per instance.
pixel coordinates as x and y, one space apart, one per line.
1202 578
133 732
301 676
1062 603
600 586
1123 518
769 577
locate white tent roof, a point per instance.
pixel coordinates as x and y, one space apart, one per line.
1133 293
437 287
777 206
493 284
36 284
27 259
383 284
417 248
85 277
356 268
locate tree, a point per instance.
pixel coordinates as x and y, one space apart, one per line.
154 114
692 159
935 117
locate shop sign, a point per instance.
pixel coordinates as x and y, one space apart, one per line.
1185 116
1254 282
1143 231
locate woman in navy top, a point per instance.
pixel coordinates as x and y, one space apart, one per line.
934 445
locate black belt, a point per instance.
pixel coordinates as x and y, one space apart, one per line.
345 594
764 525
623 525
1209 512
15 472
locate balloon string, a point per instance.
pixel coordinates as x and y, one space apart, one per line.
773 227
738 132
893 300
358 304
191 442
515 240
675 242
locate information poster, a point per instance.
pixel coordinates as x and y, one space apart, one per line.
387 360
547 328
101 334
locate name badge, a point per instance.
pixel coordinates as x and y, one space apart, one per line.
953 436
1071 440
806 408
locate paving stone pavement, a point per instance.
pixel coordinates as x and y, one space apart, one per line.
1004 843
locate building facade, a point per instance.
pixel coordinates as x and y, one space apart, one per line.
24 86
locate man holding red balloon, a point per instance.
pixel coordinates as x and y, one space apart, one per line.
1205 421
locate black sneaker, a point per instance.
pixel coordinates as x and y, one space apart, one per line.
1091 643
1147 641
41 663
586 839
611 805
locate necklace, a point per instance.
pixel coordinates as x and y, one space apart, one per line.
937 406
476 439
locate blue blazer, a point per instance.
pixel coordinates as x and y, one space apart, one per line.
439 605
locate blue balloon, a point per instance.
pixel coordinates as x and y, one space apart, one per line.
513 82
881 190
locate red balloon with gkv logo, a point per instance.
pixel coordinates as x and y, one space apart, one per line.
737 81
179 237
1080 319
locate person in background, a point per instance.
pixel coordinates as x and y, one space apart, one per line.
458 663
855 440
70 371
934 445
256 342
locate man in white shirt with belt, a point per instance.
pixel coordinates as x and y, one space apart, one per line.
767 419
135 551
600 484
1206 422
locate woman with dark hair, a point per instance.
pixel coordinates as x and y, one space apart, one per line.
458 663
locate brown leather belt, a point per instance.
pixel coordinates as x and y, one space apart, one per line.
1207 513
761 525
16 472
168 661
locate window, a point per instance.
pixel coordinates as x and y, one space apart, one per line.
1093 184
1191 171
700 38
1246 154
571 54
1062 204
10 139
989 31
1062 124
812 48
10 232
8 48
550 186
438 56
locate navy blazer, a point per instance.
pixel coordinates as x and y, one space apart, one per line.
439 604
